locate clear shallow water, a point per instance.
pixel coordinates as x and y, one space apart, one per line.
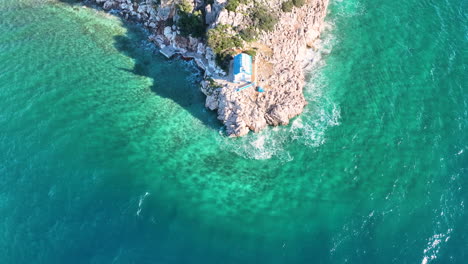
108 154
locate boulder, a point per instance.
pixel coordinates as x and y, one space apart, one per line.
109 5
211 102
168 33
201 48
164 12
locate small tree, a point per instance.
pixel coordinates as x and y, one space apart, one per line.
263 18
222 41
220 38
251 52
248 34
224 58
190 23
232 5
185 7
299 3
287 6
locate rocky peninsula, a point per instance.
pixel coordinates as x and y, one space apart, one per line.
278 34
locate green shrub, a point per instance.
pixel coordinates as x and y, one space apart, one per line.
222 41
233 4
212 85
219 39
299 3
287 6
185 7
191 24
224 58
248 34
263 18
251 52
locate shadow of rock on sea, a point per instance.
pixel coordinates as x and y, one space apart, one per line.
165 76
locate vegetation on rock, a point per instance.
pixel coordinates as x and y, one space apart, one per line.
248 34
263 19
233 4
251 52
224 58
190 23
299 3
222 40
287 6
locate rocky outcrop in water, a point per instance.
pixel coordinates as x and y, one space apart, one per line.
281 55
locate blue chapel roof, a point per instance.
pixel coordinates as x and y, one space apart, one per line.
242 64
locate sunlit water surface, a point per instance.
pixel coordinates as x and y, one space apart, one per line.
109 156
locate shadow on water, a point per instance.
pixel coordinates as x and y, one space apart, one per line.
171 79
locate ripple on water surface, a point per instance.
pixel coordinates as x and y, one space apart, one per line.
99 134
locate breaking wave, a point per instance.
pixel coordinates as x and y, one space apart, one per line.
433 246
346 8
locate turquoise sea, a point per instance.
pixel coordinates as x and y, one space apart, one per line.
107 154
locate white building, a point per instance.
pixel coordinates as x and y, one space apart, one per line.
242 68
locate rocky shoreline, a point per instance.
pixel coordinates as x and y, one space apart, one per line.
281 55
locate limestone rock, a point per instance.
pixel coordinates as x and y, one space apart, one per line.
164 12
201 48
230 18
211 102
108 5
168 33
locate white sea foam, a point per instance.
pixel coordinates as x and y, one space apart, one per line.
140 202
433 246
347 8
261 146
